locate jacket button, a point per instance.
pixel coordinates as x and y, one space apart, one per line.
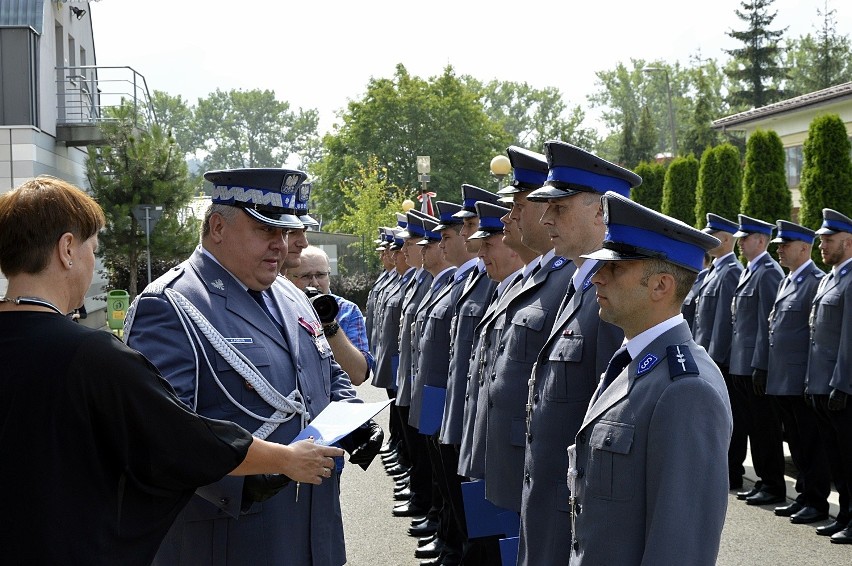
466 396
535 398
527 477
580 473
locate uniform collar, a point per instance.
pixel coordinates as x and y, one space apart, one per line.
640 342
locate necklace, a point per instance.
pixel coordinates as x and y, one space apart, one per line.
35 301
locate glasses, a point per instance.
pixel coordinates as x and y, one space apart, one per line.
319 276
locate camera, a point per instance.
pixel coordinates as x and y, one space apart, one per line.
325 305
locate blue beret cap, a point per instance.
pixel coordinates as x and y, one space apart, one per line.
267 195
637 232
572 170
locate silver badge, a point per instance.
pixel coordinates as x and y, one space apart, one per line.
288 187
218 284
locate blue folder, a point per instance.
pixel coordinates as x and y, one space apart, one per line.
432 409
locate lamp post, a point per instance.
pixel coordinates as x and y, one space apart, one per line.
669 98
500 167
424 166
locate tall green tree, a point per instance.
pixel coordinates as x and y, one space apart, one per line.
679 189
719 187
820 61
140 168
174 115
251 129
369 200
627 147
532 116
698 133
646 137
400 118
757 72
650 192
826 180
765 192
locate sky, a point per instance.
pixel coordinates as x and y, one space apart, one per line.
322 53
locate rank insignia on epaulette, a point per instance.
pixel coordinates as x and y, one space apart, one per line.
681 361
647 364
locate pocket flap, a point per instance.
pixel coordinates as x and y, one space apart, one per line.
567 349
612 437
530 317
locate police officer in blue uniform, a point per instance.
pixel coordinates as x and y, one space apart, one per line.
785 377
829 381
750 308
238 344
713 327
660 413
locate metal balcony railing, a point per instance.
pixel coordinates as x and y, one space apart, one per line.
85 95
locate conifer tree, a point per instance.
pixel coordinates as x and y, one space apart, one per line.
679 189
765 192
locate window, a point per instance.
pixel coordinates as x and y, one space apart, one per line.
793 162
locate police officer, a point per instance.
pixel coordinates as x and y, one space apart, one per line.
785 377
660 412
225 305
752 302
829 381
713 328
576 350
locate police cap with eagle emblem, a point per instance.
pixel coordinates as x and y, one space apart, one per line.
529 172
267 195
490 222
637 232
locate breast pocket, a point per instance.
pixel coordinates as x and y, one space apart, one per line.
437 322
793 305
830 311
521 335
567 350
235 383
610 470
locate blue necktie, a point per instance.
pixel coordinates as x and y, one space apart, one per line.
258 298
618 362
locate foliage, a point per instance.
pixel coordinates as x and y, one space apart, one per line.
532 116
140 168
368 201
708 104
650 192
403 117
627 144
251 129
822 61
756 71
354 287
765 192
646 137
719 187
826 171
174 115
679 189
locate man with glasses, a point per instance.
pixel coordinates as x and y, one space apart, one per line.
350 347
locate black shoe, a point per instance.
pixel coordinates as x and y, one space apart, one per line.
741 495
764 498
397 470
403 495
410 509
423 541
808 515
842 537
431 550
401 484
437 561
831 528
789 510
423 529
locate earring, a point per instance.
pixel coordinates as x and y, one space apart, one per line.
70 263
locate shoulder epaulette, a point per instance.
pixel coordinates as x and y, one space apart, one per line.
681 361
159 286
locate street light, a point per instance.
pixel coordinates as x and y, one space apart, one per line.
424 166
500 167
669 97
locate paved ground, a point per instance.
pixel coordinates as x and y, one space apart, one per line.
752 535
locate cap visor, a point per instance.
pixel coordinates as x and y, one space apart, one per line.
307 220
464 214
510 190
282 221
826 232
741 234
548 192
604 254
482 234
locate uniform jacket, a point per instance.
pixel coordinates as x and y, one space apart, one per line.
688 308
829 357
638 450
431 340
417 289
386 327
753 300
469 311
280 529
789 333
502 399
370 308
713 325
565 376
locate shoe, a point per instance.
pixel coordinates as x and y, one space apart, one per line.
741 495
437 561
398 469
403 495
831 528
420 520
423 541
842 537
431 550
808 515
410 509
764 498
789 510
400 485
424 529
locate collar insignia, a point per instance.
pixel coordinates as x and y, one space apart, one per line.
647 364
218 284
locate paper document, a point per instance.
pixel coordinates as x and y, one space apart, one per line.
339 419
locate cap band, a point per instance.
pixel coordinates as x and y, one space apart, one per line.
600 183
529 177
756 228
251 197
795 235
490 223
654 244
836 225
717 226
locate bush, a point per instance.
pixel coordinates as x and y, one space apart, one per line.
354 287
